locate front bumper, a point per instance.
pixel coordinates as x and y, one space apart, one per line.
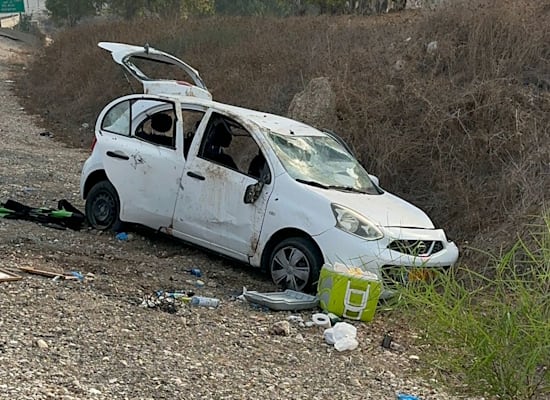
432 250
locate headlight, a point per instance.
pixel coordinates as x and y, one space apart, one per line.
354 223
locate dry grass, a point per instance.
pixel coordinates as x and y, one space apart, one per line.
462 131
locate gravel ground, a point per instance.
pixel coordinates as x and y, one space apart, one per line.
93 340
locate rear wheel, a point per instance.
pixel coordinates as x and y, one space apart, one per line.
103 207
295 263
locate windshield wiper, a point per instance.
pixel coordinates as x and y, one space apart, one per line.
328 187
347 189
312 183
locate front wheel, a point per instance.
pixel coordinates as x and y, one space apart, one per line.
295 263
103 207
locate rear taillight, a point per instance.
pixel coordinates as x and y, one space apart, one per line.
94 141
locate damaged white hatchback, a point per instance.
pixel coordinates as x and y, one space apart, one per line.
260 188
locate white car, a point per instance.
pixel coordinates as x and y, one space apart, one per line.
263 189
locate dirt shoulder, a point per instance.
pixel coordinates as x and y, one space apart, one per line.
70 340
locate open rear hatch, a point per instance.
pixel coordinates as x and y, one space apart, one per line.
149 65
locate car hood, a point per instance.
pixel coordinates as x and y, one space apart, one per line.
384 209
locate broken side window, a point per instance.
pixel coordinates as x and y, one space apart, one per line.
191 121
228 143
117 119
159 128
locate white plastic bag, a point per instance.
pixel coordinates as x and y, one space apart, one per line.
342 336
346 343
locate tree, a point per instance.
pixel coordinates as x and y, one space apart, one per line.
181 8
72 11
252 7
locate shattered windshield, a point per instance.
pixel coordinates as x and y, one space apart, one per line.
321 161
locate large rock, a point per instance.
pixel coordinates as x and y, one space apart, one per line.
316 105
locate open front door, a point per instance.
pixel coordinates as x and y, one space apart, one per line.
211 209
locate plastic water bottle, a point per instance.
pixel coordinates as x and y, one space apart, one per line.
404 396
195 272
122 236
205 301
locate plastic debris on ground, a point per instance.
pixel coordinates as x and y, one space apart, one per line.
403 396
78 276
201 301
122 236
195 272
342 336
289 300
167 301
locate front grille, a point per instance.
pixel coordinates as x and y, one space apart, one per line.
421 248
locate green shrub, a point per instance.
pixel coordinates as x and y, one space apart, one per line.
491 332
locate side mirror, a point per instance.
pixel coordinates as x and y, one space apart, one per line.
253 192
374 179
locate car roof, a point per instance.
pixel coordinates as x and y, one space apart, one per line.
272 122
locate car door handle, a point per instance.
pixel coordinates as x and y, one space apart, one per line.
118 154
196 176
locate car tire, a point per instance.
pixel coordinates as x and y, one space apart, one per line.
294 263
103 207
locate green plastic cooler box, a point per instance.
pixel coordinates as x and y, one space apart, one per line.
348 292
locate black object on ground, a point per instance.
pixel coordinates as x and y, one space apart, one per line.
65 216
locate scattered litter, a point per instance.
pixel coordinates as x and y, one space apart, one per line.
66 215
289 300
334 319
205 301
7 276
41 343
199 283
348 292
342 336
281 328
122 236
295 319
241 296
78 276
321 320
166 301
386 341
49 274
403 396
195 272
89 276
46 134
414 357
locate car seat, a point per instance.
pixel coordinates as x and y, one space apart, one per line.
161 122
220 138
161 125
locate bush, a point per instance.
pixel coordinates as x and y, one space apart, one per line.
492 333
